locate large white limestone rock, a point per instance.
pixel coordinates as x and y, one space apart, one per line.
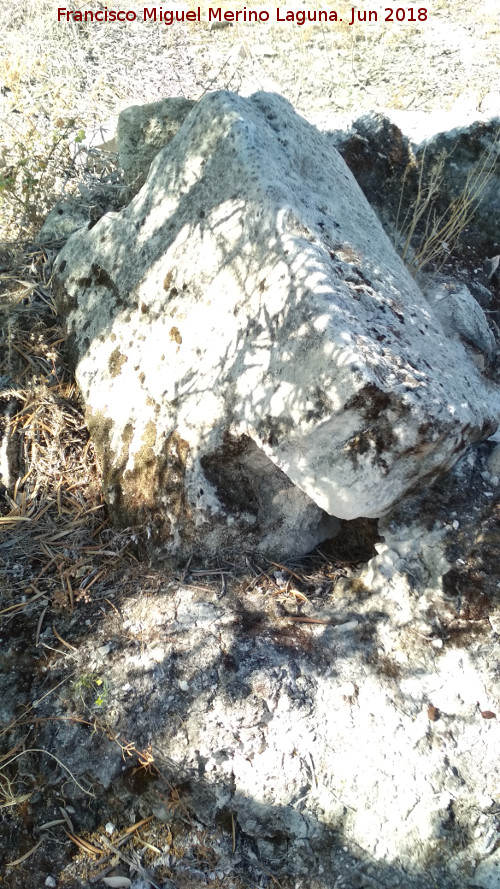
253 354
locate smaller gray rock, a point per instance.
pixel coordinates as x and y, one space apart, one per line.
143 130
381 159
65 218
462 316
492 267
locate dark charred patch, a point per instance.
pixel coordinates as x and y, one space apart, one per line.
355 542
225 471
474 603
277 428
138 780
84 282
370 402
102 278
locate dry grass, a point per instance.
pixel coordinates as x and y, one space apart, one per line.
427 236
57 552
46 107
55 544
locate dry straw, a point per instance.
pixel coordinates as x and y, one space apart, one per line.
55 542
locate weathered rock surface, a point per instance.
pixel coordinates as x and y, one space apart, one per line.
250 347
461 316
143 130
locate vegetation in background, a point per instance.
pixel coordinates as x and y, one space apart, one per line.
427 236
35 169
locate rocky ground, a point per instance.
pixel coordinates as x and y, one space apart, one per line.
327 723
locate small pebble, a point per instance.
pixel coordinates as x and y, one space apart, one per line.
380 548
424 628
110 828
50 883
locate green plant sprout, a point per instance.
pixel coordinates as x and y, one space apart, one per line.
91 685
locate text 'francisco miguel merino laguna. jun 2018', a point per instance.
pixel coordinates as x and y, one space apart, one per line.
213 14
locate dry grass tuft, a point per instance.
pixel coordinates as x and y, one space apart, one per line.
55 543
428 236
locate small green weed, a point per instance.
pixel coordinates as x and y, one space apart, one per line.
92 690
34 170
